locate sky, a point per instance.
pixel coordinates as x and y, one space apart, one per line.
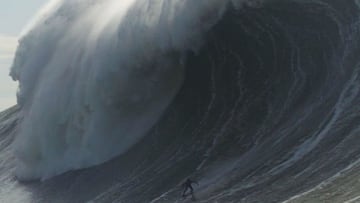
14 15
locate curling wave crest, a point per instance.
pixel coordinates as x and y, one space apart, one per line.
96 75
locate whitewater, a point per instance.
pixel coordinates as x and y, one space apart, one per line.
121 101
101 84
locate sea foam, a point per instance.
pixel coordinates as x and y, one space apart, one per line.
94 77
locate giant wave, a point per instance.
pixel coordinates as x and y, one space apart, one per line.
255 99
95 76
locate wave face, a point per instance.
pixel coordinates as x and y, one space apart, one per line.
256 100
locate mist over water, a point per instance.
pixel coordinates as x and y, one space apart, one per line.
257 100
95 76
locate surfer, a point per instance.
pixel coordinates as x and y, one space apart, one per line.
188 185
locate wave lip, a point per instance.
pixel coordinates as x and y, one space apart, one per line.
95 76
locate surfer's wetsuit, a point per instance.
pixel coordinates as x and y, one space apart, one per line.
187 185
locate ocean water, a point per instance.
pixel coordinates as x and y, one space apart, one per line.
120 101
